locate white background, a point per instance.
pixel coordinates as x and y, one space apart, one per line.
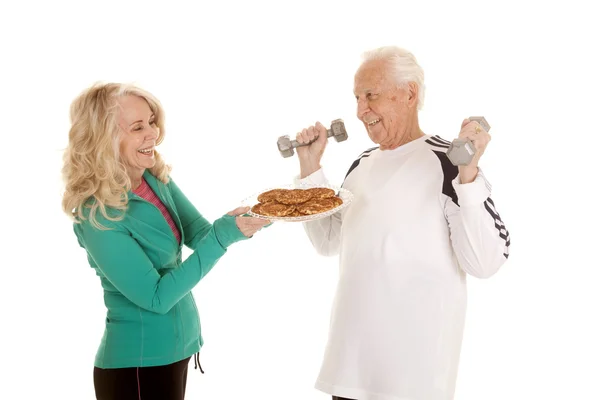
233 76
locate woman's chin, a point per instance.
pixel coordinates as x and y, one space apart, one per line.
146 162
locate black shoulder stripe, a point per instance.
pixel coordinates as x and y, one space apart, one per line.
450 172
439 140
367 151
443 146
364 154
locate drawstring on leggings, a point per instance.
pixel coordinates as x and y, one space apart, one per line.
197 362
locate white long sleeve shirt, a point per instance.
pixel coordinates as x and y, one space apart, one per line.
405 245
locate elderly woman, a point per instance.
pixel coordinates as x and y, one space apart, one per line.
132 220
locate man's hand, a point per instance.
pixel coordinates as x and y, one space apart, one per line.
310 156
480 138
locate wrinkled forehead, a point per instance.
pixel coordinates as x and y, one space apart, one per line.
371 76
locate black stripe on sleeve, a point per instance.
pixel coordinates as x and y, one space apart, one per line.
450 172
502 231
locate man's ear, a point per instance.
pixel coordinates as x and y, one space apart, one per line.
413 94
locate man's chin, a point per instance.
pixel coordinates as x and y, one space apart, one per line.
377 139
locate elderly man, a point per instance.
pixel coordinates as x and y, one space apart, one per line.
417 226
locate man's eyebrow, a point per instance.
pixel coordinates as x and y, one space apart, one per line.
366 90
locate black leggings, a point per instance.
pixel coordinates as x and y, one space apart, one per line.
143 383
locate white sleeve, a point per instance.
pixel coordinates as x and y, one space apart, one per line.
324 233
479 237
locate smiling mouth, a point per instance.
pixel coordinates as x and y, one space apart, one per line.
374 122
147 152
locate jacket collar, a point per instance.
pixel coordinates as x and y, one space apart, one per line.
160 189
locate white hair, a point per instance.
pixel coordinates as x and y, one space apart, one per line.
403 67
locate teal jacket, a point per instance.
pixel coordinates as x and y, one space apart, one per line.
152 317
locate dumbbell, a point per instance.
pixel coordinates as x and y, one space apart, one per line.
286 146
461 151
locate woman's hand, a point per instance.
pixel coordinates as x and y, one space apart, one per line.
247 225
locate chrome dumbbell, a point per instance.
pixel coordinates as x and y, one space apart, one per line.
286 146
461 151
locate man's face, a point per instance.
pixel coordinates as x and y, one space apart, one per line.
381 105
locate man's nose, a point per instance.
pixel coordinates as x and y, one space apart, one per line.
362 108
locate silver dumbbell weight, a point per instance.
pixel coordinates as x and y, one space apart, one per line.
461 151
286 146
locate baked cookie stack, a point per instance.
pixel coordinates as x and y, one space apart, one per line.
296 202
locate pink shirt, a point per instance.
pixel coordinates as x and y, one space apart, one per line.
146 192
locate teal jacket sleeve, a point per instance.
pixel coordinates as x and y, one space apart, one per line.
195 226
124 263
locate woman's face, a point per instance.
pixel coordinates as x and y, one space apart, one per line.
139 135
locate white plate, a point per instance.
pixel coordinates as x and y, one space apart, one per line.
344 194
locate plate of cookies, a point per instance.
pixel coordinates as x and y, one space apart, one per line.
298 203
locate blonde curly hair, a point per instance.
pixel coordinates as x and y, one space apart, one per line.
94 175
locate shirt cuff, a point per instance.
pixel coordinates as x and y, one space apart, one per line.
316 178
474 193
